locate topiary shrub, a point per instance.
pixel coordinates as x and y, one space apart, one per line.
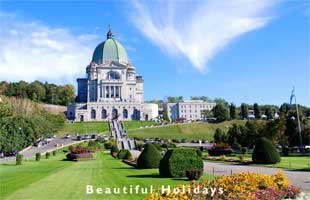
244 150
124 154
285 151
19 159
177 161
114 151
54 153
199 153
38 156
194 174
265 152
47 155
157 146
149 158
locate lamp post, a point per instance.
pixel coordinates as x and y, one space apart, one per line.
298 120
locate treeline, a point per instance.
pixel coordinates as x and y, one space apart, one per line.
39 92
282 131
22 122
225 111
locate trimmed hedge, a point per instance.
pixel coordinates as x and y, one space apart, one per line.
47 155
114 150
176 162
194 174
149 158
265 152
124 154
19 159
38 156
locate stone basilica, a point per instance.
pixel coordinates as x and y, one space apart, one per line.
112 89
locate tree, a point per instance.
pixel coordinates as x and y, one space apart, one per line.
268 112
233 134
165 116
220 112
244 111
203 98
174 99
219 136
221 101
36 91
206 113
232 111
257 111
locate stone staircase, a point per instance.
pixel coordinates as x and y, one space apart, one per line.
120 134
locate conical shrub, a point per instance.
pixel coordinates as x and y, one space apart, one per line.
149 158
265 152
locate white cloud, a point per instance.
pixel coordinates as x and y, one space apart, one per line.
30 50
199 31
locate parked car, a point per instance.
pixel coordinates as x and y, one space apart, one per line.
67 136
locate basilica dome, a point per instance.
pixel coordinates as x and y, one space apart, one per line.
110 50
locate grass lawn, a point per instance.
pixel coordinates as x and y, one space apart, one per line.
98 127
199 130
287 162
293 162
57 179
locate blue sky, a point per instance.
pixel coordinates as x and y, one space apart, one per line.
242 51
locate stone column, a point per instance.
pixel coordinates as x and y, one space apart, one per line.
98 90
103 91
88 100
114 91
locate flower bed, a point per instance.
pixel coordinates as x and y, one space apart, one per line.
239 186
79 153
246 162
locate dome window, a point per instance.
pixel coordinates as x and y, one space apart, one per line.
113 76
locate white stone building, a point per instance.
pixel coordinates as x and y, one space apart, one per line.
188 109
111 89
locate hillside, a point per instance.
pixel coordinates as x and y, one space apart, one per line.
55 109
193 131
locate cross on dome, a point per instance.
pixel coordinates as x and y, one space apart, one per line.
109 34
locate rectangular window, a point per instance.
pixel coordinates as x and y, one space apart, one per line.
107 92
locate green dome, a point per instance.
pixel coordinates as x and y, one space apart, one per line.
110 49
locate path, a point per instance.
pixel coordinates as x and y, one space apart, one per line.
298 178
30 152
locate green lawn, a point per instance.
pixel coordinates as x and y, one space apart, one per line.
293 162
57 179
98 127
191 131
287 162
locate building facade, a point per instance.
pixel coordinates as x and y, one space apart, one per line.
111 88
188 110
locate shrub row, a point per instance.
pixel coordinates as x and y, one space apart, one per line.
176 162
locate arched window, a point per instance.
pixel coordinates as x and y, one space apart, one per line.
114 113
93 114
112 75
103 114
125 114
136 114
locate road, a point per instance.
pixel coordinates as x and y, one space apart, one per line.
298 178
30 152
